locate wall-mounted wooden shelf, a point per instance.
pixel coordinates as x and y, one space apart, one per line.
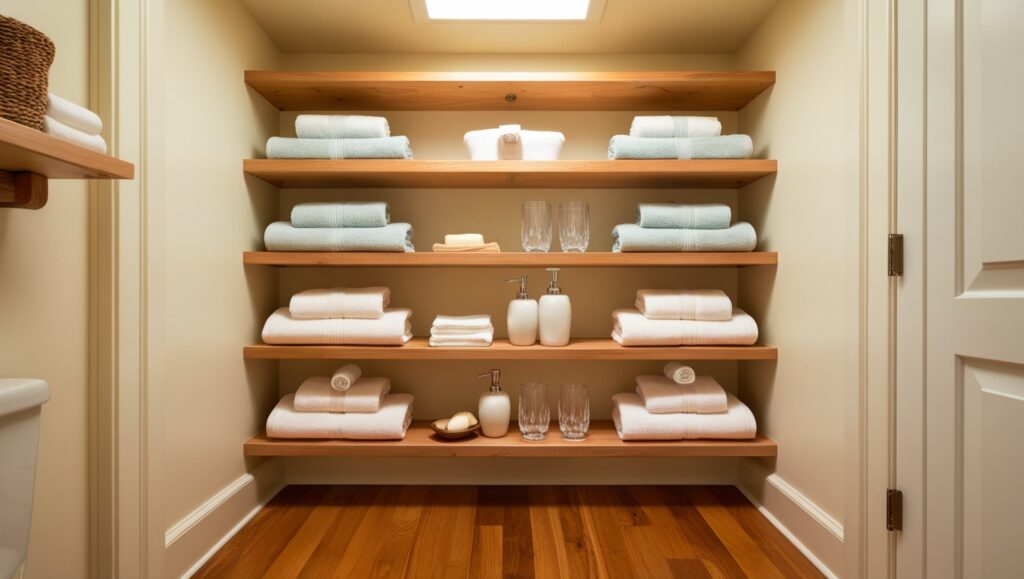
499 91
601 441
508 259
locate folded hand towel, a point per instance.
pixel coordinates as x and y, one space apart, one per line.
663 396
631 237
683 216
341 127
392 329
352 214
454 340
679 373
473 323
668 127
344 377
463 239
727 147
389 423
631 328
394 237
634 422
366 395
366 303
382 148
52 126
485 248
707 304
74 116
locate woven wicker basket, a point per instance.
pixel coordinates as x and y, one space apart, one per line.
25 58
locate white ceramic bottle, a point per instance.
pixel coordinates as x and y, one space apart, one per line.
495 409
522 316
555 314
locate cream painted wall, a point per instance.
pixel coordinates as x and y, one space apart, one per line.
44 313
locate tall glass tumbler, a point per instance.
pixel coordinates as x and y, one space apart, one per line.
534 412
574 226
574 411
536 230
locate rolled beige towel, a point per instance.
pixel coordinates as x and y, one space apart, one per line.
680 373
344 377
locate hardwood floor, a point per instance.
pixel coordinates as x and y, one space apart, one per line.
514 531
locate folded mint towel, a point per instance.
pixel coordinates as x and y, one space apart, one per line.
341 127
668 127
395 237
682 216
382 148
727 147
631 237
353 214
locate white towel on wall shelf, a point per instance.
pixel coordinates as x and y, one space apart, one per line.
389 423
631 328
359 303
687 304
392 329
634 422
344 377
679 373
470 324
366 395
52 126
73 115
661 395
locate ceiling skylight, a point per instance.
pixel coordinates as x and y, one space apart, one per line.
515 10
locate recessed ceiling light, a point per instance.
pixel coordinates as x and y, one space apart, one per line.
508 10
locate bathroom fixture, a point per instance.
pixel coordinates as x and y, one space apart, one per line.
495 409
554 314
522 316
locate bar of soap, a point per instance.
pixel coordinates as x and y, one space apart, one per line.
463 239
457 422
468 415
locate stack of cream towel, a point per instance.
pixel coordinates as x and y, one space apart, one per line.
344 405
352 226
340 137
665 137
683 318
66 120
666 227
466 243
340 316
462 331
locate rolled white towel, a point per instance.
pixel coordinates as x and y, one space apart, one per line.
462 323
634 422
317 395
366 303
680 373
675 126
344 377
631 328
707 304
74 116
52 126
389 423
463 239
392 329
663 396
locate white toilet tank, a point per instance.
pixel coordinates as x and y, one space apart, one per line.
20 403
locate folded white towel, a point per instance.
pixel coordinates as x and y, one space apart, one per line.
634 422
52 126
366 395
481 338
663 396
707 304
341 127
463 239
674 126
392 329
390 423
469 323
366 303
74 116
680 373
344 377
631 328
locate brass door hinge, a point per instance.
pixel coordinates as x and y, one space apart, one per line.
895 254
894 510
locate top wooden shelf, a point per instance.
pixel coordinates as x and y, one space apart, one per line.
496 91
23 149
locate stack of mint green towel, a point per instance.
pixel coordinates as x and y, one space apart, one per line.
665 227
340 137
339 227
667 137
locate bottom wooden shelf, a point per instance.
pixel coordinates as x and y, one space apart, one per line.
601 441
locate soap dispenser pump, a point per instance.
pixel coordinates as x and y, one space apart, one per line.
522 316
495 409
555 314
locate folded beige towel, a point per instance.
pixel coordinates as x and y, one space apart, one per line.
680 373
461 324
463 239
366 395
390 423
663 396
631 328
344 377
634 422
709 304
361 303
481 338
485 248
392 329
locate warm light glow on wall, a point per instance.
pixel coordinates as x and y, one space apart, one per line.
507 9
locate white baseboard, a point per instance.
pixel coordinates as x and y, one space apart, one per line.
187 544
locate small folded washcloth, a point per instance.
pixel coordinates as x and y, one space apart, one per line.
465 324
667 127
485 248
389 423
679 373
366 303
707 304
351 214
463 239
392 238
344 377
74 116
392 329
631 328
631 237
341 127
727 147
661 395
481 339
381 148
683 216
634 422
366 395
52 126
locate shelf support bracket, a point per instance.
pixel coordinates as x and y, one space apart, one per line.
22 190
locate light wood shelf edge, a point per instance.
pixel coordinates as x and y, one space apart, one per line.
507 259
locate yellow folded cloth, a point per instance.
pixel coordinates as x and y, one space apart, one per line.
485 248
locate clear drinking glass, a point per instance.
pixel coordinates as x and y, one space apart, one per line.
574 226
574 411
536 230
534 412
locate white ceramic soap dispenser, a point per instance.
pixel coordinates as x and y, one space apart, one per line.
495 408
522 316
555 315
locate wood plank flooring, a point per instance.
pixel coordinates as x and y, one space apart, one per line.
700 532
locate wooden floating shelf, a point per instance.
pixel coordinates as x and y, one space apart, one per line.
601 441
508 259
431 174
581 349
502 91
